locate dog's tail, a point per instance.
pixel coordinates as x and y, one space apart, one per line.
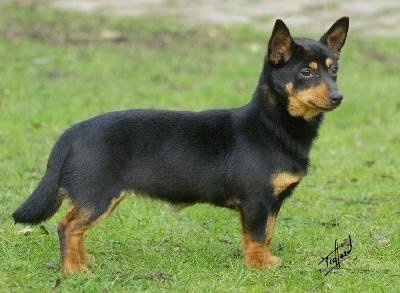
45 199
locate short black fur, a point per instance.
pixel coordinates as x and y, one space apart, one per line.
224 157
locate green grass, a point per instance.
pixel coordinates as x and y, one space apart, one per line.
56 70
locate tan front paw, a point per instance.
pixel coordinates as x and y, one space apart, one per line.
70 269
260 259
273 260
87 259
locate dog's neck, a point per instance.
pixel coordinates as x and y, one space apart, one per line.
271 109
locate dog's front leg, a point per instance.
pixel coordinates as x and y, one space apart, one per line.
257 228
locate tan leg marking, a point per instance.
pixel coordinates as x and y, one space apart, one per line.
257 255
281 181
72 229
269 236
270 230
111 207
85 257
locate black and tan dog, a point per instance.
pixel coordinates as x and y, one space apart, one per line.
249 159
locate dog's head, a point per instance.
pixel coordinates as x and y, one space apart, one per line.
303 72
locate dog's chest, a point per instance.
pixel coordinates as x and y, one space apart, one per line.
282 181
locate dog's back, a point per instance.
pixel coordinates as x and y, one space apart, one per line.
166 154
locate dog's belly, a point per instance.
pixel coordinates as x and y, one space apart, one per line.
184 182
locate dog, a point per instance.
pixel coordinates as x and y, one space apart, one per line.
249 159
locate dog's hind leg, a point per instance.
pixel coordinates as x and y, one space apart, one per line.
70 231
72 228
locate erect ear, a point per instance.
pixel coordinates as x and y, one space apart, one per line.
280 45
335 37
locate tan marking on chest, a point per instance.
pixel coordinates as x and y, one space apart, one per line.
282 181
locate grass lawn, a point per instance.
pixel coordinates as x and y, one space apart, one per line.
59 68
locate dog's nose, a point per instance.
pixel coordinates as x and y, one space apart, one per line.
336 99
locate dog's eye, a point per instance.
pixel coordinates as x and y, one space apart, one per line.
305 72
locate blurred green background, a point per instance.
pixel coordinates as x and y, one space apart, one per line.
59 67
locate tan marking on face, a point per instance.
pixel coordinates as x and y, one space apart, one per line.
328 62
308 103
313 65
282 181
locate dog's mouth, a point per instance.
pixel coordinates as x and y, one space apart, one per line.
323 108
